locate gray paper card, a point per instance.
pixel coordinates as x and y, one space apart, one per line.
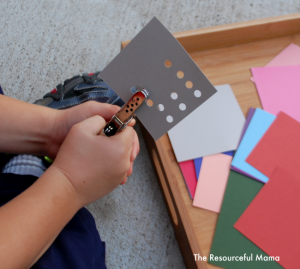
152 60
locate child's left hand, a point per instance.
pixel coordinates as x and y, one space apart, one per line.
65 119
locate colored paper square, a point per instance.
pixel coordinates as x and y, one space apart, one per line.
212 182
248 119
247 122
280 146
272 220
278 89
259 124
198 163
189 175
229 242
289 56
213 127
229 153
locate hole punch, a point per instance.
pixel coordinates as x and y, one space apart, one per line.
174 95
169 119
182 107
121 119
149 103
168 63
160 107
133 90
180 74
197 93
189 84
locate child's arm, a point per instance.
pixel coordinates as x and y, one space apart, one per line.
30 222
87 167
24 127
37 130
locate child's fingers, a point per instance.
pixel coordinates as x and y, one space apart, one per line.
124 181
106 111
130 170
125 137
132 123
135 147
93 124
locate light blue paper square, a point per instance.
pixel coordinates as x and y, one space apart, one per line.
259 124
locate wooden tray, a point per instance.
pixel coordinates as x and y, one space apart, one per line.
225 55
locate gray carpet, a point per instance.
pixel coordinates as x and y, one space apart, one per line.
44 42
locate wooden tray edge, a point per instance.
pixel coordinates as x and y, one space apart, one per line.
236 33
180 220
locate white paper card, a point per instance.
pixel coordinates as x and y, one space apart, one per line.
213 127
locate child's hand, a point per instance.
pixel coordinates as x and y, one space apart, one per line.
65 119
95 164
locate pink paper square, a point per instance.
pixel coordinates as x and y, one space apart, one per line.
212 182
279 89
289 56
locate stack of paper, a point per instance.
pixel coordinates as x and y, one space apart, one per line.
256 187
228 242
263 220
248 171
213 128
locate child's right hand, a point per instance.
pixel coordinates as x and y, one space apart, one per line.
94 164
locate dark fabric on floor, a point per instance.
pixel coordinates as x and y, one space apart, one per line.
77 246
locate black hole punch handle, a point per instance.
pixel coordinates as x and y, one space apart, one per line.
111 129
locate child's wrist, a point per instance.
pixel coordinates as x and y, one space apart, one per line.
63 187
51 145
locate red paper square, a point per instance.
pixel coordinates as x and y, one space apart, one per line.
189 175
280 146
272 220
